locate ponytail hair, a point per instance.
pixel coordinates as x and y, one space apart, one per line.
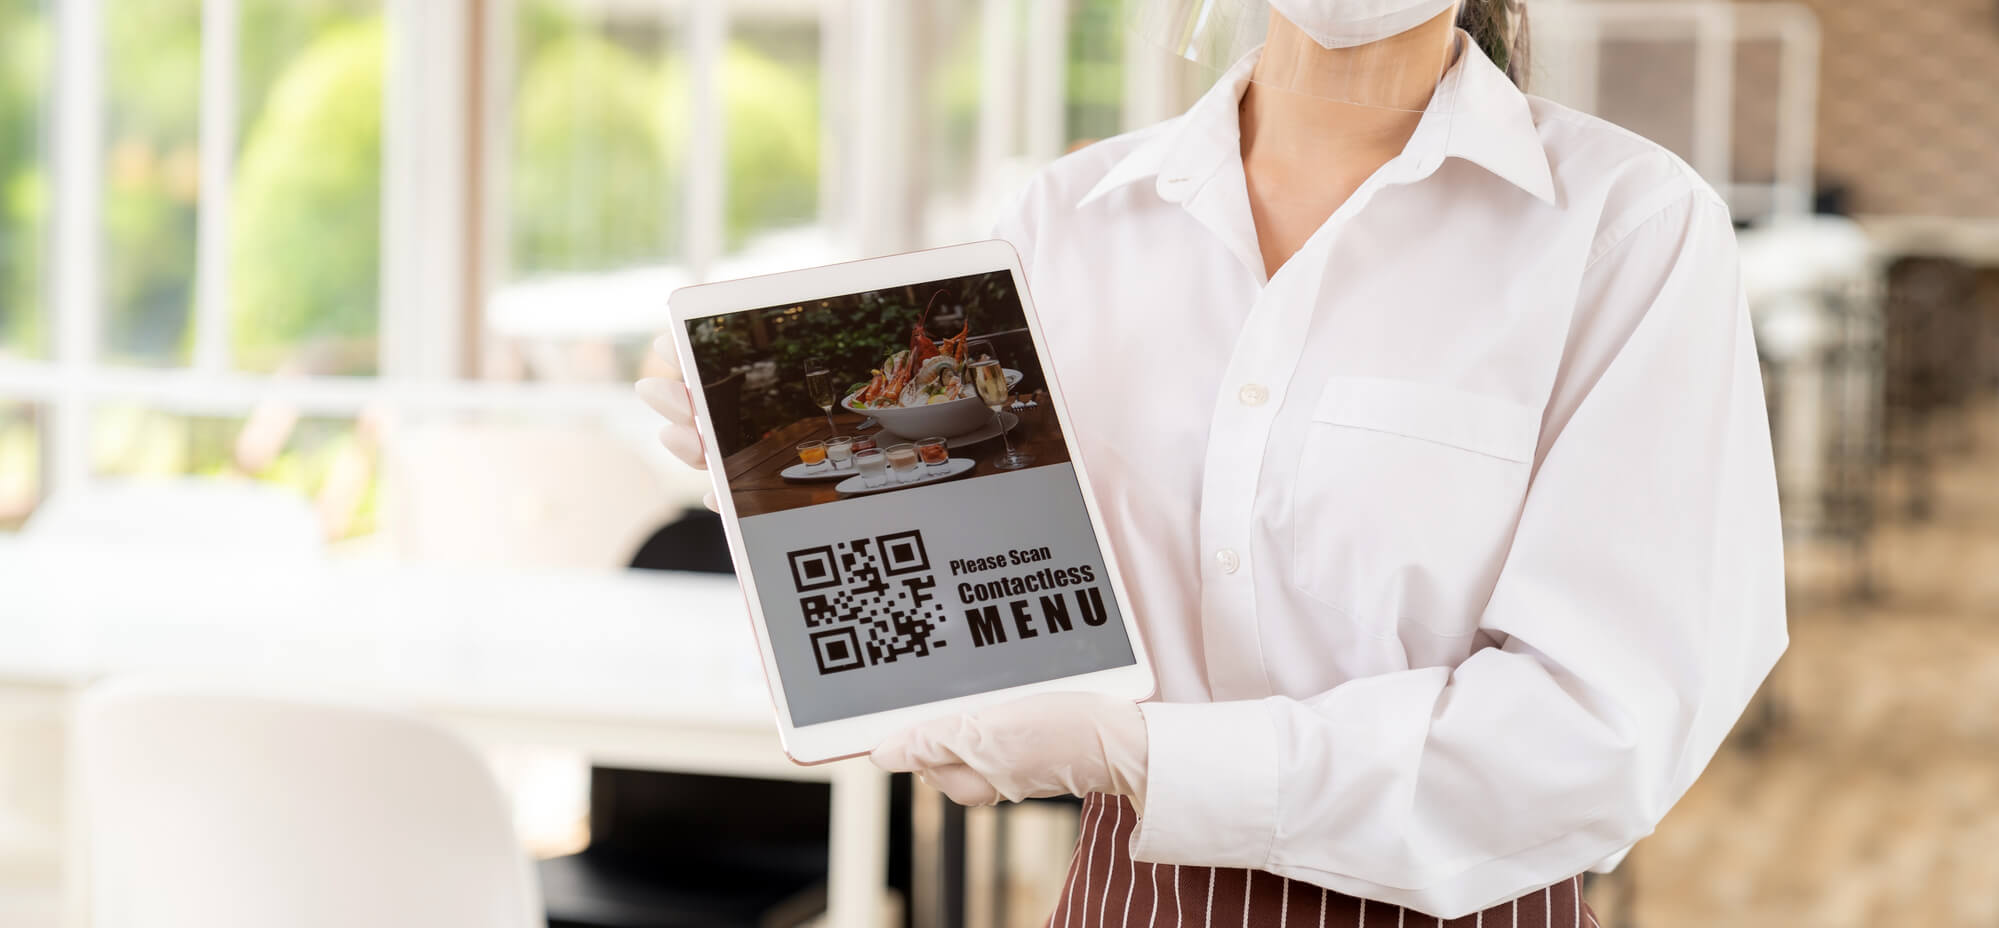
1500 29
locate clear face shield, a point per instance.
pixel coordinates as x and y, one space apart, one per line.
1386 54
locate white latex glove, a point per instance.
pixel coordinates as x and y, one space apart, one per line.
667 395
1053 744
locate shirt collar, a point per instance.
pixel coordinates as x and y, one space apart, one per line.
1188 148
1477 114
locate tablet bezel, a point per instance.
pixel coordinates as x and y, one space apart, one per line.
850 737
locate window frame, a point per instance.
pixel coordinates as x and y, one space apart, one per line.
446 156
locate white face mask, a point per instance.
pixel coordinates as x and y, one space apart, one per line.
1347 23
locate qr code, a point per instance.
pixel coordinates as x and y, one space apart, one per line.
868 601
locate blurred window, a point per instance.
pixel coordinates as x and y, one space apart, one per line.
152 176
772 77
606 133
282 200
305 217
24 85
651 146
303 212
232 191
953 74
654 145
598 117
1094 93
20 462
331 460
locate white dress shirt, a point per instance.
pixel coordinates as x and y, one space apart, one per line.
1455 542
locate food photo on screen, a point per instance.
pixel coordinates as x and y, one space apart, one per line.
875 392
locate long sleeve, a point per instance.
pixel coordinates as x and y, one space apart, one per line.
1639 608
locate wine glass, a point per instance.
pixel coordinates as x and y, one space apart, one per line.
819 386
990 378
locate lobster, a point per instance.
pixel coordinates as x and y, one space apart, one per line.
921 348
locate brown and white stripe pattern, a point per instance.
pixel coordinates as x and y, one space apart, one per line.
1107 888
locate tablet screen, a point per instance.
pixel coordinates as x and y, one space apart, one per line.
906 499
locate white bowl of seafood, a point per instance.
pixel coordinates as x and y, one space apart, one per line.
929 388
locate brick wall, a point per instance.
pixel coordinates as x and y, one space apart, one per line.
1909 108
1908 105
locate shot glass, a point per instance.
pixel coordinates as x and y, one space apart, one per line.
933 452
840 450
873 466
903 460
812 453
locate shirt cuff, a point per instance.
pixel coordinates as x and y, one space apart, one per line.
1210 785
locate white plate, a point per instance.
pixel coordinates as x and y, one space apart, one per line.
807 472
804 471
990 432
855 485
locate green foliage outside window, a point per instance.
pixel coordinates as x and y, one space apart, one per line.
1096 71
602 133
151 170
593 173
24 39
602 137
305 258
772 136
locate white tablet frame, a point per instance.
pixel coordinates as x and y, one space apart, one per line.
850 737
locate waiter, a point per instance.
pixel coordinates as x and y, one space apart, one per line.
1427 424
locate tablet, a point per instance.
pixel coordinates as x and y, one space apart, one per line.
902 496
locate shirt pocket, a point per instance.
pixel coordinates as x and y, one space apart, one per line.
1405 502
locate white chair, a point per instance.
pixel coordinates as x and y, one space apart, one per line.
207 806
223 516
31 803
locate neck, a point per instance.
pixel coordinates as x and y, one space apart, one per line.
1343 106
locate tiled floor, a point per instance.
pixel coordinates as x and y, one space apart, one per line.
1875 800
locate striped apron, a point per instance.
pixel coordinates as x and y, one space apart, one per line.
1105 887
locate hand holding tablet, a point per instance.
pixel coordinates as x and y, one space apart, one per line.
667 395
944 585
1052 744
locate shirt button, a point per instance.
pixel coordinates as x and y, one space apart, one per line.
1253 394
1227 560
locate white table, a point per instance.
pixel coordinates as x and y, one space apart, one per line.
641 670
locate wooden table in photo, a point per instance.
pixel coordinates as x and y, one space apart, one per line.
753 472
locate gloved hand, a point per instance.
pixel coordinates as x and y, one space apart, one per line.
1052 744
667 395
